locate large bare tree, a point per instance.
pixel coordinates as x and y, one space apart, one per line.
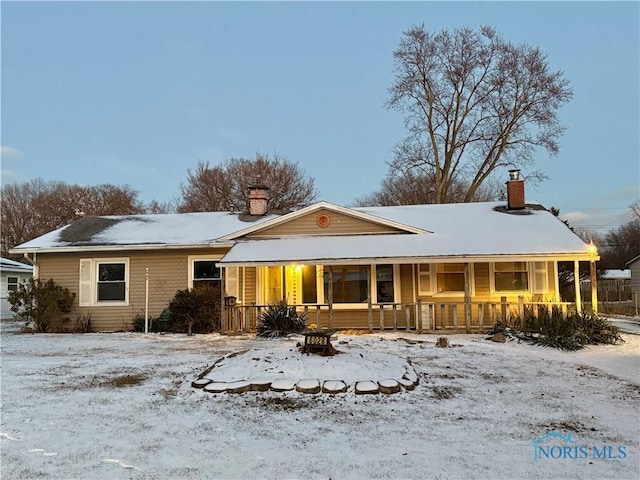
225 187
473 104
416 188
36 207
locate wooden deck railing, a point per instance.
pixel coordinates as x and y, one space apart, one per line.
419 316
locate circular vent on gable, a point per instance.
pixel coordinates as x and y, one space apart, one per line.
323 221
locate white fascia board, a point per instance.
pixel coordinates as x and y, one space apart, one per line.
319 206
116 248
412 260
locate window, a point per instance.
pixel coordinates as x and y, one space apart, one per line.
205 273
111 282
450 277
348 284
540 278
384 284
12 283
309 284
103 281
424 279
511 277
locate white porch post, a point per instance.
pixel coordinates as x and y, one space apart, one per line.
576 281
594 287
467 298
330 297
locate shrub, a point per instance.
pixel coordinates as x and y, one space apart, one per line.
41 304
280 320
195 310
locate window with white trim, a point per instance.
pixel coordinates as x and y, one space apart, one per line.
510 277
425 283
540 278
385 290
205 273
450 277
12 283
103 281
347 283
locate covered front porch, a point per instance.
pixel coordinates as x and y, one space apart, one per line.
377 282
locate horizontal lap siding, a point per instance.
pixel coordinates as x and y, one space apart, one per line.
168 273
307 225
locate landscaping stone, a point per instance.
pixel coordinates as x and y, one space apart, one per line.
215 387
366 387
260 384
334 386
308 385
238 387
388 385
200 383
283 385
407 384
499 337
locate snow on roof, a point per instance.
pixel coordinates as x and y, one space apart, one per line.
458 230
9 265
616 275
183 229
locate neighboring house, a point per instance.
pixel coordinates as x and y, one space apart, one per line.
11 274
613 285
417 266
634 267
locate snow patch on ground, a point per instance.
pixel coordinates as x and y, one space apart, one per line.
475 413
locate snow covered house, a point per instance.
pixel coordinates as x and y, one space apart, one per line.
11 274
422 267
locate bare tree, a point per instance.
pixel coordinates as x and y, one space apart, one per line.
621 244
36 207
473 103
414 188
225 186
635 210
155 207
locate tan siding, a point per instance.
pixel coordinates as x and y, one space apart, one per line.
168 272
340 225
481 277
250 285
406 284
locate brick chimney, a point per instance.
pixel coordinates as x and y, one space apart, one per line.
258 200
515 191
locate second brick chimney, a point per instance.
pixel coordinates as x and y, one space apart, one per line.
515 191
258 200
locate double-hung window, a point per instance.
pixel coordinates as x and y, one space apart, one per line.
203 273
104 281
510 277
450 277
519 277
12 283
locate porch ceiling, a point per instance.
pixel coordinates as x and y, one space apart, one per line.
396 248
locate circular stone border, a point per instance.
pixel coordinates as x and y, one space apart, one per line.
407 382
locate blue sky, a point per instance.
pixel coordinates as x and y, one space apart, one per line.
138 93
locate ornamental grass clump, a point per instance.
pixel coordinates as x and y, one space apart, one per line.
556 330
279 320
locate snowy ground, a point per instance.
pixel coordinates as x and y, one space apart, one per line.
476 412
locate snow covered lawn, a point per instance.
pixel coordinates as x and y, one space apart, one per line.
111 406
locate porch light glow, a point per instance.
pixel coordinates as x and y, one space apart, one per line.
592 250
